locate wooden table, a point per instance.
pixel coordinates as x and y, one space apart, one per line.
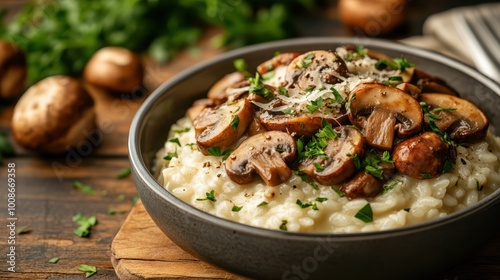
46 200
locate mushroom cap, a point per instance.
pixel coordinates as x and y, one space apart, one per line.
301 125
422 154
362 185
315 69
53 114
114 68
222 126
281 59
390 101
218 92
466 123
12 70
338 164
265 154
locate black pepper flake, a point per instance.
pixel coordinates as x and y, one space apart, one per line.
463 161
218 175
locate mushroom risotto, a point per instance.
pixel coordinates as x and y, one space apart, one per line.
324 141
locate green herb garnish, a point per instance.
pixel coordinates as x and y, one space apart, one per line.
171 155
315 105
236 208
84 188
425 175
282 91
257 87
234 122
338 191
262 203
338 97
208 196
307 60
175 140
54 260
181 130
241 66
216 151
321 199
124 173
355 158
84 224
88 269
365 214
314 186
318 167
283 225
375 171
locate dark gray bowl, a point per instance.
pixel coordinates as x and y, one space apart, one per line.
410 252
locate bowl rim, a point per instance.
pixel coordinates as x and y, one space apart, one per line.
148 179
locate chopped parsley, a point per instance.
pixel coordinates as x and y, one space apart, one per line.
236 208
289 111
234 122
314 186
283 225
338 191
306 61
124 173
393 81
208 196
257 87
301 174
282 91
268 75
425 175
181 130
54 260
84 224
315 105
386 157
447 166
321 199
375 171
396 63
88 269
348 104
241 66
391 186
84 188
263 203
365 214
338 97
175 140
171 155
303 205
318 167
216 151
23 230
355 158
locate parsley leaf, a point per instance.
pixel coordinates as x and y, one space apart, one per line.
263 203
355 158
315 105
181 130
318 167
338 97
84 188
241 66
175 140
283 225
234 122
54 260
209 196
171 155
236 208
321 199
216 151
338 191
306 61
124 173
88 269
84 224
365 214
257 87
282 91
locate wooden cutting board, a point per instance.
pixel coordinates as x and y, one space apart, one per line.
141 251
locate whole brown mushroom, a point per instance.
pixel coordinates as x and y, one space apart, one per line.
12 70
52 115
372 17
115 69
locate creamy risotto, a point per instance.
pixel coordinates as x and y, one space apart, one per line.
328 142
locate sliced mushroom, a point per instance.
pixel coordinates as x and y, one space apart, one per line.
431 84
460 118
300 125
411 89
388 109
362 185
222 126
338 164
281 59
315 69
423 156
198 107
219 91
266 154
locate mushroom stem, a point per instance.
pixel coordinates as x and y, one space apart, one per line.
274 171
379 129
